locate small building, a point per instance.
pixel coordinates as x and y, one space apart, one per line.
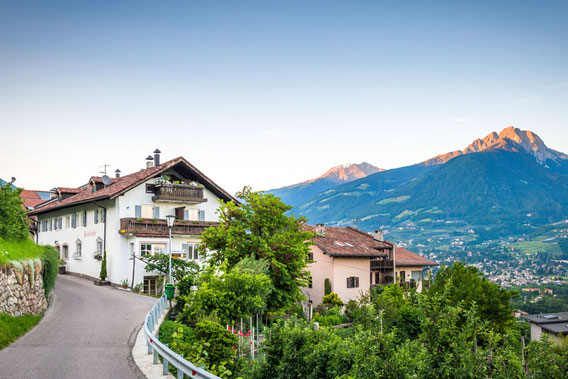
553 324
354 261
126 217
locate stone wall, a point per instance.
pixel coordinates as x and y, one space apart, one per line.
21 288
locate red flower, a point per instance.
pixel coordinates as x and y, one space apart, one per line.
251 342
234 348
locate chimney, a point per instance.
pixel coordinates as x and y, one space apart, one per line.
320 230
117 173
149 160
157 157
378 235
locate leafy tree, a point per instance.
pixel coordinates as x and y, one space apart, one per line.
260 228
461 283
161 263
239 292
13 220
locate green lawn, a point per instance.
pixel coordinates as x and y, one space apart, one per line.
13 327
19 250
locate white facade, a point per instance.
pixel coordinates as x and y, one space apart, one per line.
84 239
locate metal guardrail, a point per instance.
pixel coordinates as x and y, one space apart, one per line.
158 349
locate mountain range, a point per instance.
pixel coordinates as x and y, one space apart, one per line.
505 183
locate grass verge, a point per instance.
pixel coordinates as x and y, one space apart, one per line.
19 250
13 327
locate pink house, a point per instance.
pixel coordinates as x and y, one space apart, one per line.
353 261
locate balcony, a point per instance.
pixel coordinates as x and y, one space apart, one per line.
182 193
381 265
159 228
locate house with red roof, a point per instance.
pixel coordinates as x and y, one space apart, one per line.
354 261
126 217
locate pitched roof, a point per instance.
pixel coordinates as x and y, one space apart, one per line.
125 183
553 322
405 257
31 198
349 242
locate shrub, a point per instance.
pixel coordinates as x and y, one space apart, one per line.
221 341
50 260
327 287
103 275
13 327
332 299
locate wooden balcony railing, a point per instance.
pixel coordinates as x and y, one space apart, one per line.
378 264
159 228
178 192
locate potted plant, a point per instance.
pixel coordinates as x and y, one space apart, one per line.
62 266
124 283
101 281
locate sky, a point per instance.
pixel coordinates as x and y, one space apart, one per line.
270 93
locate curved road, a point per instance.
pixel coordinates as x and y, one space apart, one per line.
87 333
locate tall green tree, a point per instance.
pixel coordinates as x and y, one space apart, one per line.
260 228
13 220
466 284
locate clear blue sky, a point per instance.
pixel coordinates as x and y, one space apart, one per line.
270 93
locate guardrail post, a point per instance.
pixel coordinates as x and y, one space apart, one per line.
149 347
165 363
180 374
156 360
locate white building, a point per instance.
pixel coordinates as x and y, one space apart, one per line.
126 217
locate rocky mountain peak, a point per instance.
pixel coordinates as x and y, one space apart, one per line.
512 139
349 172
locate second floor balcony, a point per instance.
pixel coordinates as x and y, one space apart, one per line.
159 228
381 265
182 193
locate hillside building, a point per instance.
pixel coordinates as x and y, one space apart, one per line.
126 217
354 261
555 325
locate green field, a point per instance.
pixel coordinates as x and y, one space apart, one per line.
533 247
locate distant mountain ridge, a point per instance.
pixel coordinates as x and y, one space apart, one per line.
297 193
511 139
502 183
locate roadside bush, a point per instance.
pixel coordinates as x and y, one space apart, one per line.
168 328
50 260
13 327
221 342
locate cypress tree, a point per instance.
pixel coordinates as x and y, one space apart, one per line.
103 274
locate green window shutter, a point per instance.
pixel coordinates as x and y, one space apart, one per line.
138 211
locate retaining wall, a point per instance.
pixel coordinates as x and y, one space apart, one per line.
21 288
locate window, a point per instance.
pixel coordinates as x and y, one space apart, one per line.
152 248
60 223
149 188
353 282
310 281
192 214
50 224
74 220
150 285
310 257
146 211
192 250
96 215
67 222
78 249
84 218
99 250
65 252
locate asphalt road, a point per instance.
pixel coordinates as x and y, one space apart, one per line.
88 332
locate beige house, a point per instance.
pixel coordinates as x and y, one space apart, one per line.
555 325
353 261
